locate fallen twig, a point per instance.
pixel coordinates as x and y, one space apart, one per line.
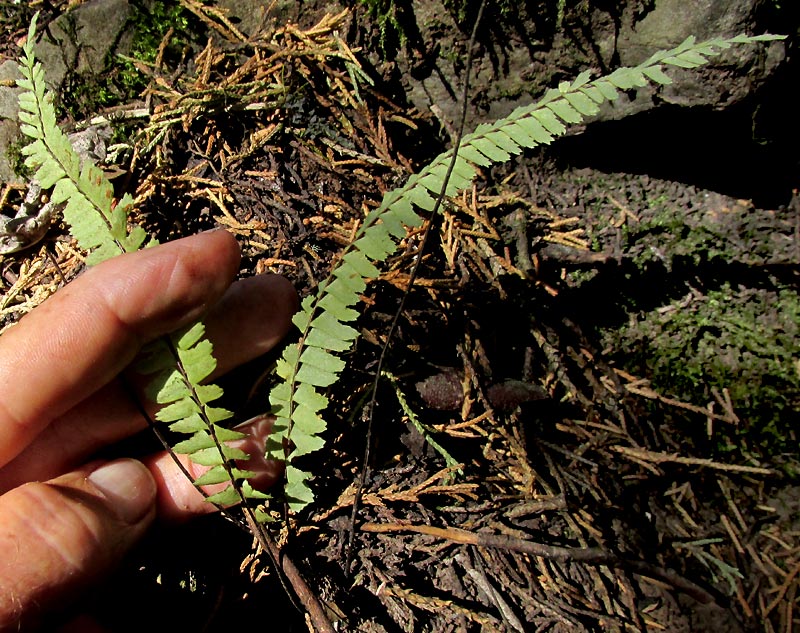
781 591
650 394
663 458
587 555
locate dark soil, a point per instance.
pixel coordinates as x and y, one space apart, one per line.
533 348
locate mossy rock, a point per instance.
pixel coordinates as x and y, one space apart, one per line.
741 339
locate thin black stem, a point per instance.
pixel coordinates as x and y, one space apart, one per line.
54 261
412 277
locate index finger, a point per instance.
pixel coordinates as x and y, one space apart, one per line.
83 336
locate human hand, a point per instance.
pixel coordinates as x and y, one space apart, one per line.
66 518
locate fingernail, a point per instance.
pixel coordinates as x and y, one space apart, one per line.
128 487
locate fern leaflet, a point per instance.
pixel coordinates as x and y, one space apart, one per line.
180 363
310 366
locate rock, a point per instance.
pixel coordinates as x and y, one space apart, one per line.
248 16
729 79
515 71
9 128
79 41
8 94
252 16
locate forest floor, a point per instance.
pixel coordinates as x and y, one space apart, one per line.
605 348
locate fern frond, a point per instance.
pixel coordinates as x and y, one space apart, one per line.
98 225
182 361
310 366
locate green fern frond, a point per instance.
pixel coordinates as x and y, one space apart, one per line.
311 366
182 361
95 221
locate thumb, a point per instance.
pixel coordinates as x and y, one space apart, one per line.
58 536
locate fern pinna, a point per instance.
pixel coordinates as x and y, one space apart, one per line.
179 362
311 365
